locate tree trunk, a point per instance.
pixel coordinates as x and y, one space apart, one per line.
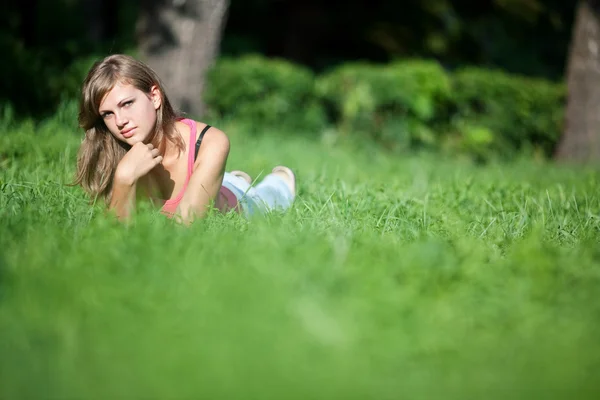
180 40
581 137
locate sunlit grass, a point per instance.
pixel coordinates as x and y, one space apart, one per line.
392 277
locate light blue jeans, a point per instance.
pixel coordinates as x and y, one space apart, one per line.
271 194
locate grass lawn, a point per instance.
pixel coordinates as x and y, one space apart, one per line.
414 277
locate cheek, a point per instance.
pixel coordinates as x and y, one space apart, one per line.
110 125
112 128
151 116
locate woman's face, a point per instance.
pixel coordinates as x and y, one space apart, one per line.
130 114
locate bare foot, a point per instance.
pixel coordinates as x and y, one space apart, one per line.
288 177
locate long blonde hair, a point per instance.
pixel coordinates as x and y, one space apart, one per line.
100 152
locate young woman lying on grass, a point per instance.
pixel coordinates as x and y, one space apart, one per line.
136 145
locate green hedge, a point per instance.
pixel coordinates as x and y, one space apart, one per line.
502 113
407 104
398 104
267 93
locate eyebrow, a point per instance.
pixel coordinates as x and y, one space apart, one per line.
120 103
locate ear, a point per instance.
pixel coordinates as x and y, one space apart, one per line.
155 96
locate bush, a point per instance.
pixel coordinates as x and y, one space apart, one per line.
405 105
67 84
398 104
415 103
266 93
502 114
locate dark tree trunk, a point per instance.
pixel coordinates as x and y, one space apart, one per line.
180 39
581 137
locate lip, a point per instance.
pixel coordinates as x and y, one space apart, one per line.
128 133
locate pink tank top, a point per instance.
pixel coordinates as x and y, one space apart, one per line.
225 201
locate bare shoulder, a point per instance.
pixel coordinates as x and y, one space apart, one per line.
214 143
213 134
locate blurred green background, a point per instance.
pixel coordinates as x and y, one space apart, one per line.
484 78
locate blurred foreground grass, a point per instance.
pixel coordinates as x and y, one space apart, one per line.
392 277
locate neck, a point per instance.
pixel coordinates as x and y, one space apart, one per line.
169 149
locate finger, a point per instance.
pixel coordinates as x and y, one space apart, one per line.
150 146
158 160
155 152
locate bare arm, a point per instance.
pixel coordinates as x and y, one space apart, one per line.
122 201
138 161
207 178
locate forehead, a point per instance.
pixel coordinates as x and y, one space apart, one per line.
120 91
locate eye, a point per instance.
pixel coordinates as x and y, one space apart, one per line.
128 103
105 115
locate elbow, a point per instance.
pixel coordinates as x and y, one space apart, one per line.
191 209
195 205
186 215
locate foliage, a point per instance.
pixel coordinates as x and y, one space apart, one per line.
501 113
47 44
266 92
397 104
432 270
41 39
521 36
68 83
404 105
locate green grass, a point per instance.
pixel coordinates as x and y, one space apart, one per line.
392 277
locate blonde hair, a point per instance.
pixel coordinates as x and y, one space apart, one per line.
100 152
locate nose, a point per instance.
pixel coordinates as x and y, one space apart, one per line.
121 119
